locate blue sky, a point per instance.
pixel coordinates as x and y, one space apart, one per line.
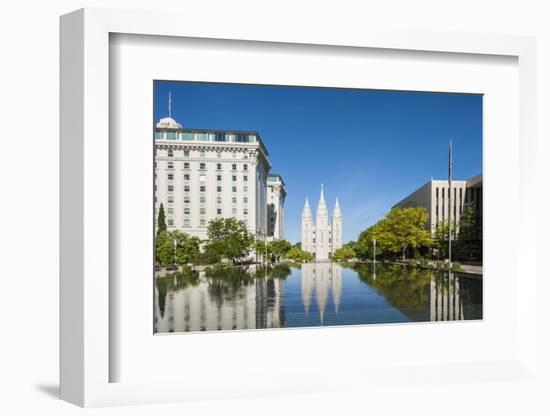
370 148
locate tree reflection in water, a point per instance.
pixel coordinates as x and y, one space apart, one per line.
246 297
425 294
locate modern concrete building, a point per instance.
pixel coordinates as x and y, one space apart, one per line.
276 193
321 238
435 194
202 174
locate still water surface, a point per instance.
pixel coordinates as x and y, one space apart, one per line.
312 294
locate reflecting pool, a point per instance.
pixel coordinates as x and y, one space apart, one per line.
313 294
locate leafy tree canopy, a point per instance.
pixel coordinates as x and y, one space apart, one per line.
228 238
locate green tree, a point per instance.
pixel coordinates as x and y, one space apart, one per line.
399 230
344 253
161 219
298 255
469 241
228 238
260 247
187 247
176 247
277 249
441 237
164 249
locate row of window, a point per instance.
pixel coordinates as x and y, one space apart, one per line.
202 188
202 200
444 204
202 166
202 211
187 222
205 136
202 154
187 177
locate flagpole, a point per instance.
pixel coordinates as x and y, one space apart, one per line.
450 193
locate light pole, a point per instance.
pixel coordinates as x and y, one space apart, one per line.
175 251
265 247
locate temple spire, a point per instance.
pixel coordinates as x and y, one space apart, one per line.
337 212
322 206
306 212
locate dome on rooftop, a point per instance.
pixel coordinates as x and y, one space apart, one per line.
168 123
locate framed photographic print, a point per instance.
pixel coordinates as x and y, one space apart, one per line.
294 202
237 245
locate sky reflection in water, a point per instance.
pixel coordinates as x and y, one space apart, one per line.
313 294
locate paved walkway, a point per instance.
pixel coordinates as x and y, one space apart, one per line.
472 269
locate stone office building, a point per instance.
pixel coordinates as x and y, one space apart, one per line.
276 194
203 174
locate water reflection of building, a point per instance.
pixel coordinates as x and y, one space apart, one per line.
223 305
321 280
455 297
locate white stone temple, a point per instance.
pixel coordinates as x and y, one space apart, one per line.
323 237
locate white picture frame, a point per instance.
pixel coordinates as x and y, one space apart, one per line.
86 301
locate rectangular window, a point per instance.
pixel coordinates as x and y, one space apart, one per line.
245 211
245 167
170 153
241 138
201 153
186 153
186 200
219 200
245 200
219 178
234 199
186 188
170 210
203 211
203 188
170 165
203 222
245 188
186 177
234 178
186 222
170 176
245 178
202 199
219 188
202 166
170 199
170 188
219 211
186 165
234 166
218 155
234 189
186 211
170 221
219 166
234 211
219 137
